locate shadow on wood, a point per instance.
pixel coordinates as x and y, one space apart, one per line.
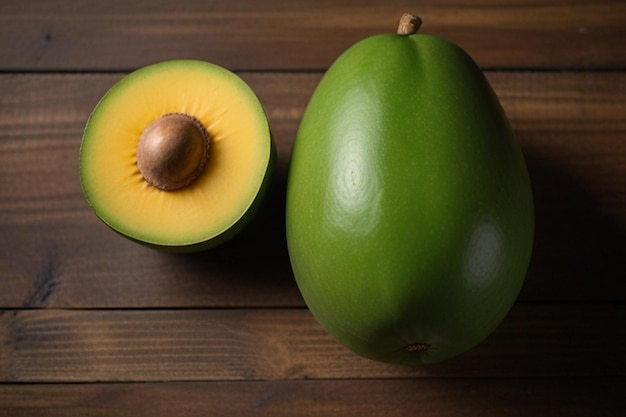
579 247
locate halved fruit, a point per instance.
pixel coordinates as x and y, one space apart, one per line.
177 155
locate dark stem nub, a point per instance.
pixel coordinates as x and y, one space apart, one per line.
409 24
416 347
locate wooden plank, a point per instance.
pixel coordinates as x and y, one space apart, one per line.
48 345
277 35
351 398
54 252
573 133
67 255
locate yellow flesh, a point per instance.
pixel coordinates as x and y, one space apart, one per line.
239 153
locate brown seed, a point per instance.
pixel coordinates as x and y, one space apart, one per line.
173 151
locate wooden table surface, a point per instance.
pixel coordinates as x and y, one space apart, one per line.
94 325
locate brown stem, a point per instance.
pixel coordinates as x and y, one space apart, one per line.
409 24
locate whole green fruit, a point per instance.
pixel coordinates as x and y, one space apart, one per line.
409 206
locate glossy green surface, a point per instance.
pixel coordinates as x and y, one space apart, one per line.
409 207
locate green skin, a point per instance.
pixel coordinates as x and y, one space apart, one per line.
409 207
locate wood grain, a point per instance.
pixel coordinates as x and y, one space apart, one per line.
349 398
94 325
54 251
50 345
300 35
